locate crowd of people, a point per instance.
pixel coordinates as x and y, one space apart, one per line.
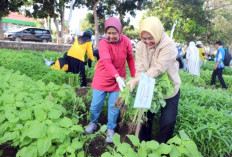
193 57
156 53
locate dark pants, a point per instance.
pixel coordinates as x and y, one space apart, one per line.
218 73
167 121
181 65
77 66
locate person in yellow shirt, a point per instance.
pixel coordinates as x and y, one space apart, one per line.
76 55
202 54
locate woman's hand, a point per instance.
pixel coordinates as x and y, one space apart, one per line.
120 82
132 83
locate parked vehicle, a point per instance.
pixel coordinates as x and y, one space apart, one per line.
29 34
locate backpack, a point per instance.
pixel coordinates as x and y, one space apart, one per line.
227 58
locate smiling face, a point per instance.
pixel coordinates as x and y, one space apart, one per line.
148 39
112 34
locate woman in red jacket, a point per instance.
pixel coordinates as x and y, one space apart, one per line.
114 50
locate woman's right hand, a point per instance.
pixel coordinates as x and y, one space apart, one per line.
132 83
121 83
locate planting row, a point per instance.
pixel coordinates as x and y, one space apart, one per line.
32 65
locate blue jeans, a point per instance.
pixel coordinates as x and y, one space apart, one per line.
96 107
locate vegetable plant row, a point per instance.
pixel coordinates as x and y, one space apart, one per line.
39 96
32 65
34 119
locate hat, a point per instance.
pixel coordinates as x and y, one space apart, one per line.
88 32
199 43
113 22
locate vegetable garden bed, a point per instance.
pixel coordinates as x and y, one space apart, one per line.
43 113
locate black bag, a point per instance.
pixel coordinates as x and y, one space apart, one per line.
227 58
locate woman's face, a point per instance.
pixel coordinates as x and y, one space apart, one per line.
148 39
112 34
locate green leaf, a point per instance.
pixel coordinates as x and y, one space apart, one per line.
123 148
37 130
61 150
9 136
2 117
152 145
30 151
25 115
142 152
103 128
116 139
154 154
182 150
54 114
4 127
77 128
164 149
43 145
192 148
70 149
183 135
174 152
40 114
66 122
106 154
135 141
76 144
56 132
175 140
81 154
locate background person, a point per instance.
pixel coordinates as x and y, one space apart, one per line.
76 55
192 59
219 66
114 50
179 56
155 54
202 54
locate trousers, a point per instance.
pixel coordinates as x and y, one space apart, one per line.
77 66
167 121
97 104
218 73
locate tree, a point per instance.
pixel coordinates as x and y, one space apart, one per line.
221 11
6 7
104 8
131 32
53 9
192 18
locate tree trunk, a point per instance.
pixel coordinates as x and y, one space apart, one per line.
62 25
121 17
1 30
57 30
96 22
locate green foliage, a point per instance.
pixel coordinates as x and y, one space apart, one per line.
163 87
175 147
8 6
210 129
31 63
33 117
209 98
210 65
193 20
131 32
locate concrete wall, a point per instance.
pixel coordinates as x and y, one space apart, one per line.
34 46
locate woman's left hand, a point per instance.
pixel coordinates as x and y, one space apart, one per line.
132 83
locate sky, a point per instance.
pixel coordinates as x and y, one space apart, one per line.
79 14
